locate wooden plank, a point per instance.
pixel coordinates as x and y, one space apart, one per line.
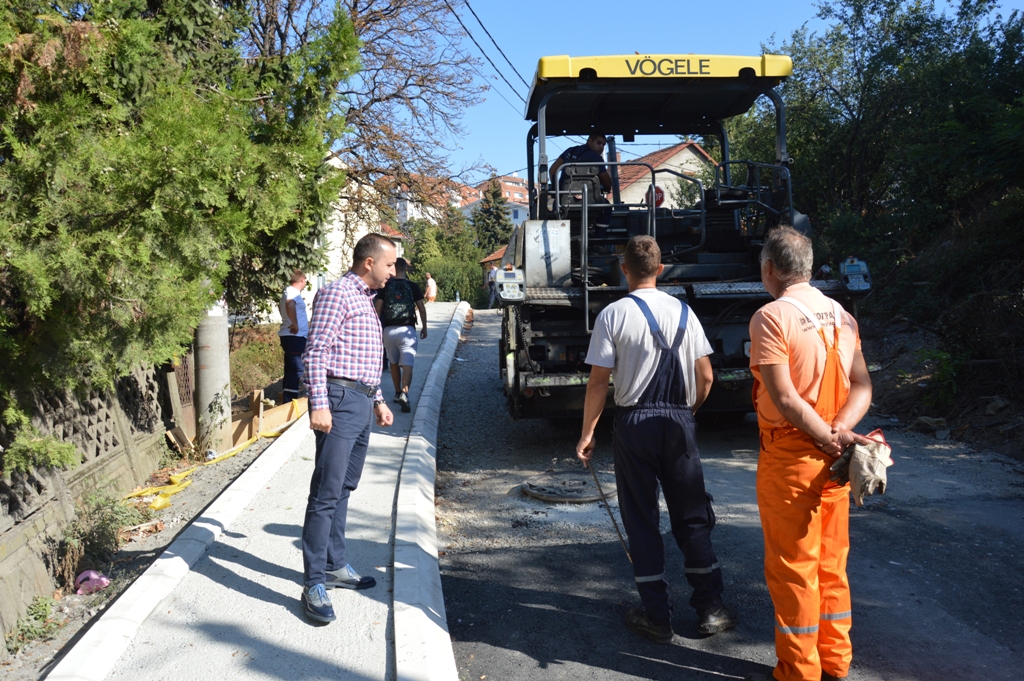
241 424
178 439
278 416
256 407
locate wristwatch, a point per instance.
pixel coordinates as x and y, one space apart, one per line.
377 403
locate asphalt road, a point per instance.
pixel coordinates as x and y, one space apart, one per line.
538 591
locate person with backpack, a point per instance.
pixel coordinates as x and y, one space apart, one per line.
397 307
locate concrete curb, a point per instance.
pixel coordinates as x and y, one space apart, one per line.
98 651
423 646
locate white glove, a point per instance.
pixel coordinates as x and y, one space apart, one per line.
864 467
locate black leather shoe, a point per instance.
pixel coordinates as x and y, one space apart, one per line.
716 619
636 620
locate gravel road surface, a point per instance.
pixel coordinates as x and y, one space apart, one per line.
535 590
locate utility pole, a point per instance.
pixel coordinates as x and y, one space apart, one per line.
213 380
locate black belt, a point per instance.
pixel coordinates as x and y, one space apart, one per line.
368 390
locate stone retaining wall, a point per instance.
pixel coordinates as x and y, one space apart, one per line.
119 436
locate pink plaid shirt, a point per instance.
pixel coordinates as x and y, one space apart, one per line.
344 338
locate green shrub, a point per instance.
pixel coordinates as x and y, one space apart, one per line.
101 517
258 362
37 625
456 275
31 449
942 388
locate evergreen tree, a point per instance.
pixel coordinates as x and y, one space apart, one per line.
424 246
490 219
145 167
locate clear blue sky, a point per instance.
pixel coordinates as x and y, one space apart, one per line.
495 130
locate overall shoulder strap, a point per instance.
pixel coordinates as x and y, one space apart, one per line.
659 337
837 311
684 315
803 309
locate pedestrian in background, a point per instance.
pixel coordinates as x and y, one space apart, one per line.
811 387
492 284
397 307
343 360
431 289
293 332
658 385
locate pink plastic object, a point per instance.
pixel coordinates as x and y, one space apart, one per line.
91 581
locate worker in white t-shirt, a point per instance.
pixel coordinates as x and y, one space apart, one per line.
293 333
656 350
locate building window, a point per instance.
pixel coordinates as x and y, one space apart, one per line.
515 214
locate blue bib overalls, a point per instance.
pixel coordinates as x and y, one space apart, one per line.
655 442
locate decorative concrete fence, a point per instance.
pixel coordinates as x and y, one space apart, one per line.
120 437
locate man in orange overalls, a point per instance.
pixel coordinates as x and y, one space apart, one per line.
811 388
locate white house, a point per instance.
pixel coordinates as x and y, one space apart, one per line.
688 158
517 212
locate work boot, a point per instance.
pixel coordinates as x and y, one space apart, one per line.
825 676
716 618
403 401
636 620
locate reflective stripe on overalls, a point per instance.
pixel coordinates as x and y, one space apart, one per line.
655 442
805 519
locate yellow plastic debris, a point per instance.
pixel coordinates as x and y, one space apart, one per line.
145 492
178 477
160 503
168 490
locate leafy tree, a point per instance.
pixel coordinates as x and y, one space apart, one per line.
894 112
490 219
449 252
404 108
144 168
425 245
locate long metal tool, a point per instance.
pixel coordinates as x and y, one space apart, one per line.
608 508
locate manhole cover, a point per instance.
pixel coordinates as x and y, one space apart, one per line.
568 487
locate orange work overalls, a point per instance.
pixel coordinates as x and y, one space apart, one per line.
805 520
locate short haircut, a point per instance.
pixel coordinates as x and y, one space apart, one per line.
643 256
428 275
791 252
401 265
297 276
596 135
370 246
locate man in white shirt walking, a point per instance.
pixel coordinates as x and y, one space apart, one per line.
293 333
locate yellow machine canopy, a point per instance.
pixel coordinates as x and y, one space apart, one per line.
649 93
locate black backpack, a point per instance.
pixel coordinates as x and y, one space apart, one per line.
399 307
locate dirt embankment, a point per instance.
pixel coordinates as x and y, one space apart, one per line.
926 390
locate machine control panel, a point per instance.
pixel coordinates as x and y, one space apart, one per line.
854 275
511 288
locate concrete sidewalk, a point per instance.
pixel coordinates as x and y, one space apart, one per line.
223 599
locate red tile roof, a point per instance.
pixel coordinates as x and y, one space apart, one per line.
497 255
630 174
390 232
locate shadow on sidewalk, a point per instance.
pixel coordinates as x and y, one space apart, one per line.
260 658
229 566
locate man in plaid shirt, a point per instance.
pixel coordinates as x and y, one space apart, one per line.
342 361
